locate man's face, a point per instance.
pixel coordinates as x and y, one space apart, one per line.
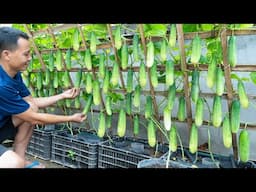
20 58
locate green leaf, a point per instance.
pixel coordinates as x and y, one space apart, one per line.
155 30
253 77
189 28
116 97
246 25
207 27
234 76
100 30
245 79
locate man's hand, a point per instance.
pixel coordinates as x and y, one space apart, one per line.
71 93
78 117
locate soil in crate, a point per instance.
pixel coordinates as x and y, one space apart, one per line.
138 147
188 160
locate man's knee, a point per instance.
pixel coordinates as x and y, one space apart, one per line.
10 159
33 106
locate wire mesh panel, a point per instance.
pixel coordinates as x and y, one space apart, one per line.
126 152
77 151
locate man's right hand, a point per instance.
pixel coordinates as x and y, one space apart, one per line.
78 117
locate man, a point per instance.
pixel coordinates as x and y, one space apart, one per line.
18 109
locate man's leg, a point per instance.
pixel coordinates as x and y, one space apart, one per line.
23 136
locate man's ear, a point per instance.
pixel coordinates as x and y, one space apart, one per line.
5 55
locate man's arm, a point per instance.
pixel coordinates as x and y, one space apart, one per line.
43 102
44 118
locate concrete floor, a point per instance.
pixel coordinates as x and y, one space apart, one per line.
48 164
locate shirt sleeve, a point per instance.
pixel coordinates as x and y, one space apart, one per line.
24 92
11 102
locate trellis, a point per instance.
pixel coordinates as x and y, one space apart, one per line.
184 66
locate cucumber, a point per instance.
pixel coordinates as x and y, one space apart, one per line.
151 133
226 132
244 145
235 116
217 111
199 115
173 139
193 139
121 126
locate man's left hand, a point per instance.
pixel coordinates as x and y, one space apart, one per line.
71 93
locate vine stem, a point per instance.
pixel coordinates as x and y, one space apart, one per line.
210 150
181 145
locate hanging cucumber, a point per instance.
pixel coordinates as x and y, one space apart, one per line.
115 75
124 56
59 60
172 36
211 73
129 84
149 107
76 42
102 125
88 82
136 98
96 92
219 81
142 75
242 94
118 38
151 133
153 74
232 59
244 145
217 111
195 86
226 132
88 59
93 43
167 118
181 114
196 50
121 126
108 105
150 54
199 115
173 144
169 73
235 116
135 46
88 104
193 139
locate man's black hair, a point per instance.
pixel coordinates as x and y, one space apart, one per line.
9 37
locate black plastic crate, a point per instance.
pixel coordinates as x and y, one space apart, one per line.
126 152
40 144
77 151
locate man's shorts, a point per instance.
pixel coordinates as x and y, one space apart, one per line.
3 149
7 131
